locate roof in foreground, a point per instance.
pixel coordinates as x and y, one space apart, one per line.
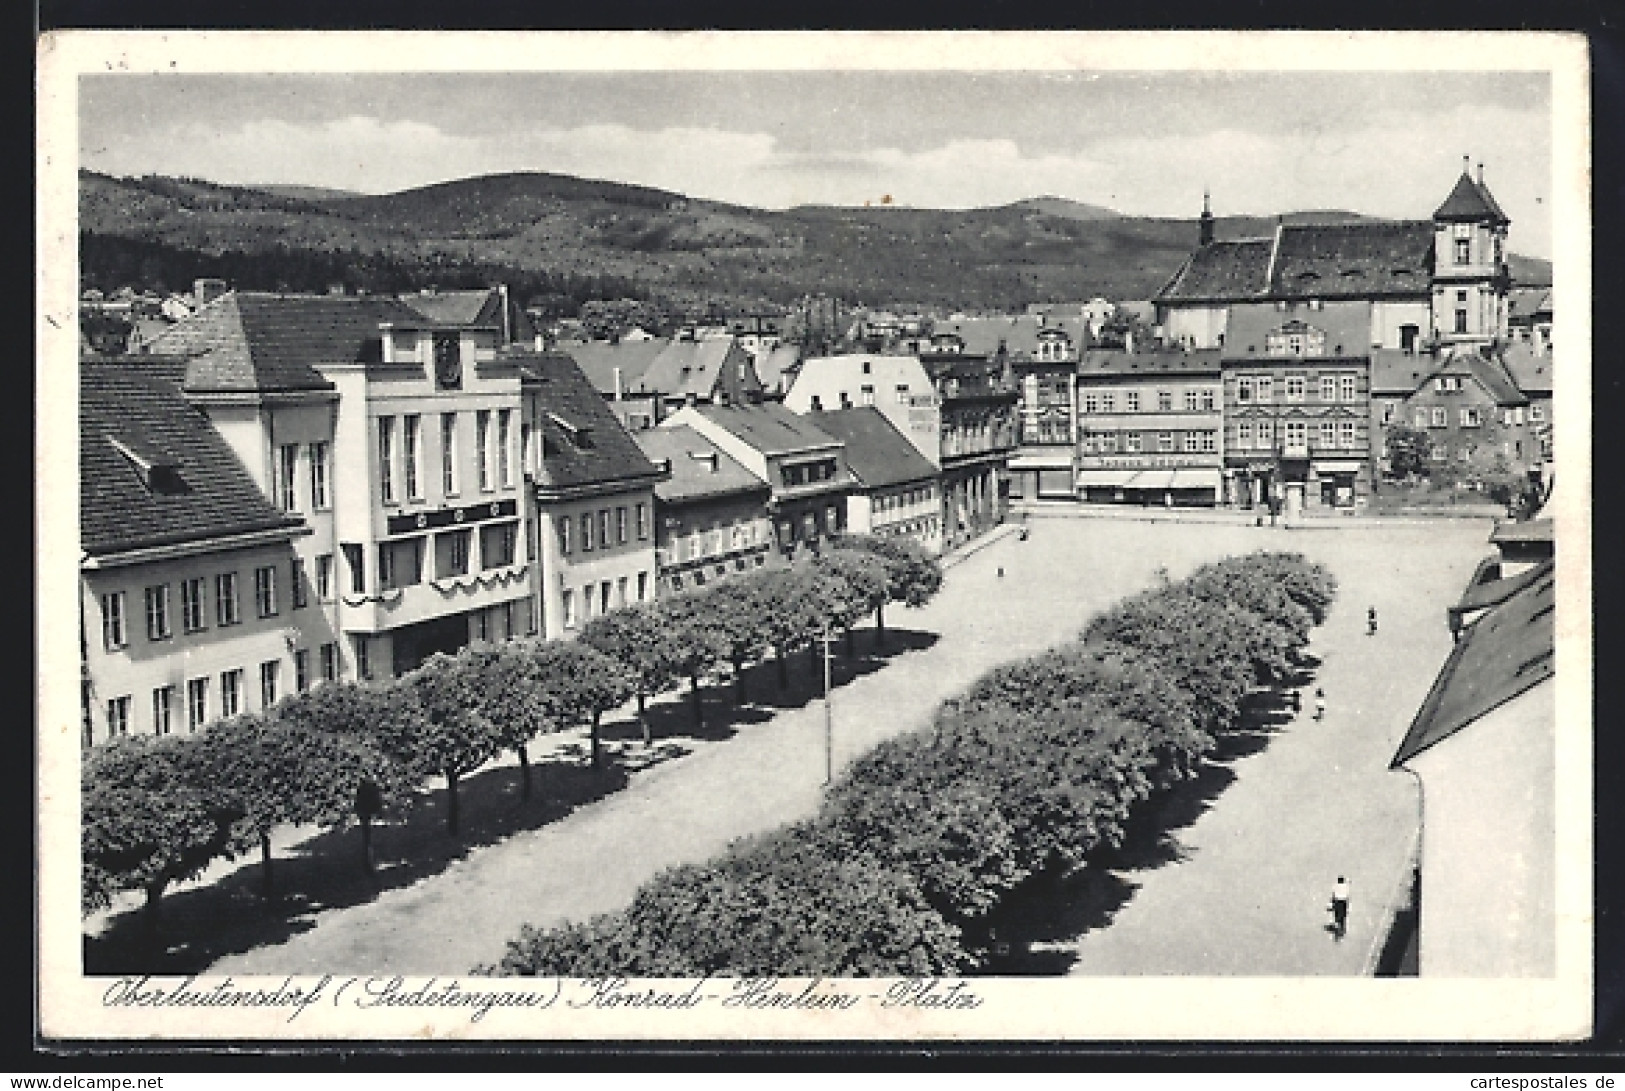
1508 651
768 427
700 469
877 453
152 469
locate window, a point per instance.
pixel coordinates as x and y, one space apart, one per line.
400 564
620 591
357 564
1328 433
1091 403
363 657
643 525
1420 418
1210 442
268 673
1193 401
1440 416
158 612
816 405
1245 389
603 597
113 633
1470 417
866 394
1294 386
620 524
330 662
643 585
1266 434
197 703
1345 433
497 545
298 592
1537 413
225 599
1328 388
287 476
163 709
504 440
265 592
118 716
411 454
1193 442
192 607
1348 387
1209 401
318 477
902 393
564 525
867 367
569 608
482 448
451 553
1461 320
586 602
603 529
448 453
386 459
1463 244
301 669
324 578
1165 441
1297 433
586 532
1266 388
1108 401
1165 401
1244 434
231 692
1131 401
1131 443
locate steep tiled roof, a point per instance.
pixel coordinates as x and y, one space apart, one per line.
1346 324
691 367
599 359
700 470
1527 303
1017 333
244 341
876 452
769 427
1360 260
1116 362
1532 373
1231 269
1396 372
1507 652
472 307
1470 201
138 407
583 444
1488 373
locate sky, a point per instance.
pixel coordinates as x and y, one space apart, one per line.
1382 143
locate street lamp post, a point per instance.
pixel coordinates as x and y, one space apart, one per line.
829 716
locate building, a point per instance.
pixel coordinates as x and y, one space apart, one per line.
897 386
1529 318
396 438
1042 466
1425 282
194 603
977 400
616 369
1150 427
1297 412
699 371
487 308
777 368
897 491
804 466
711 517
591 495
1483 750
1473 415
1532 373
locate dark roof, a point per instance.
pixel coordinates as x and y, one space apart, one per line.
1470 201
599 359
769 427
1232 269
691 367
700 470
1530 530
1496 591
877 453
583 444
1168 362
207 494
1397 372
1506 652
472 307
1353 260
259 341
1528 303
1488 373
1019 334
1531 373
1346 324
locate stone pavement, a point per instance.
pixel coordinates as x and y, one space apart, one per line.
1293 821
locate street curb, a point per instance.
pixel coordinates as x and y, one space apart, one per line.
1396 898
976 545
1190 517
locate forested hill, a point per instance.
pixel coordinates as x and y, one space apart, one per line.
564 236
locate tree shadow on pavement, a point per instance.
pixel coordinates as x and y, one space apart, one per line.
1038 925
226 917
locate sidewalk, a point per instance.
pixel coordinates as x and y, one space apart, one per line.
1137 513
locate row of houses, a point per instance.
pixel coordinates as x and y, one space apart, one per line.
287 489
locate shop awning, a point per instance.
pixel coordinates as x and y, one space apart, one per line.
1152 479
1336 466
1191 478
1105 479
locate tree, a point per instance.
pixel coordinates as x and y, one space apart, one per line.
148 819
693 638
861 584
508 695
790 613
636 637
737 604
913 575
458 739
1409 451
577 684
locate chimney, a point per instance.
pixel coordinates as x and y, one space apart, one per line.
722 398
1128 341
1206 220
1467 164
1481 174
618 391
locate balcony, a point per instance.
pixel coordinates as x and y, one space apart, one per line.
430 599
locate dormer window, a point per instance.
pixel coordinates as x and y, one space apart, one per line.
576 434
160 474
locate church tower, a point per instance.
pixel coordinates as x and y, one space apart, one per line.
1470 278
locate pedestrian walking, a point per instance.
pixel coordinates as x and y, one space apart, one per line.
1340 907
1001 571
1295 699
1371 621
1320 703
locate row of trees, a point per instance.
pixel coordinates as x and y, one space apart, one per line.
158 810
1038 763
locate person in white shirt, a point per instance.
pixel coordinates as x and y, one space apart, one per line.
1340 907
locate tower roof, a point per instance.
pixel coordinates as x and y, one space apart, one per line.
1470 202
